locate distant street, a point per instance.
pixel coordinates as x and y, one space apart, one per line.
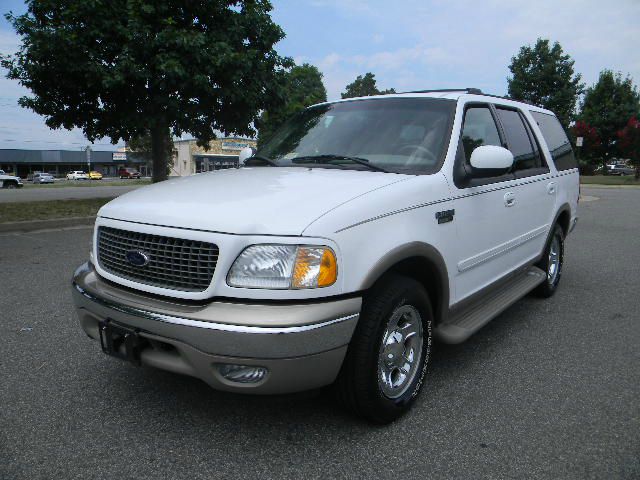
549 389
63 193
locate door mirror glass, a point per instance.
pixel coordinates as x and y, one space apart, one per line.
491 157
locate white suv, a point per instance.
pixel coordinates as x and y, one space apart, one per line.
360 232
10 181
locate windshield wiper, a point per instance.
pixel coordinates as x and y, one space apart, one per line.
266 160
329 157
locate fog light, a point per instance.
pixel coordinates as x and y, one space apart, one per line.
242 373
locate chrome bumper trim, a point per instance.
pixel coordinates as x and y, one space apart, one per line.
149 315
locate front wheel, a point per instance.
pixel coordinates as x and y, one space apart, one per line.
388 356
551 263
10 185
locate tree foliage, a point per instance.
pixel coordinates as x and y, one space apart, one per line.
128 68
544 75
302 86
364 86
607 106
591 149
629 142
141 148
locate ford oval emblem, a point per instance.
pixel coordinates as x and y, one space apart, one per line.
137 258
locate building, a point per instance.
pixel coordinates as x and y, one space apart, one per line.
222 153
60 162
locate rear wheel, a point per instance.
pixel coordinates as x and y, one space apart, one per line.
551 263
388 356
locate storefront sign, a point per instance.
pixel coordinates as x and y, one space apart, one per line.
234 145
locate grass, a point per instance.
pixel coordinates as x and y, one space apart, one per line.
90 183
608 180
23 211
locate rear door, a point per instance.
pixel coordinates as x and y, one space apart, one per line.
535 188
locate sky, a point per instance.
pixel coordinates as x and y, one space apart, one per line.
407 44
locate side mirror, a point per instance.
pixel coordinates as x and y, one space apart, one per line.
245 153
490 157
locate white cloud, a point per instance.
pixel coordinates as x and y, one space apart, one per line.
440 43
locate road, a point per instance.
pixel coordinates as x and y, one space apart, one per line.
63 193
550 389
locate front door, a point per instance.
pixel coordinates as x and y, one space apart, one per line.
488 214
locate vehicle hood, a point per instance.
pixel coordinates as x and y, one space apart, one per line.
9 177
258 200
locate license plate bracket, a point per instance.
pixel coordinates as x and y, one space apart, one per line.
120 341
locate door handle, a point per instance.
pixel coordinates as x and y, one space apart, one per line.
509 199
551 188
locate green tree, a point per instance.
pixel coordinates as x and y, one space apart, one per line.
591 150
128 68
140 148
364 86
302 86
544 75
607 106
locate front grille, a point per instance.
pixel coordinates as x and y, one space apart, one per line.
173 263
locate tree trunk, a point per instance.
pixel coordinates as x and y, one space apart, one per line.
159 153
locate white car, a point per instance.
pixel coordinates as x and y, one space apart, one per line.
77 175
364 230
9 181
42 178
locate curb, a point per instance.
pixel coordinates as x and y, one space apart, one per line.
56 223
603 185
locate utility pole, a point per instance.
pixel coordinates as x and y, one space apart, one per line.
88 152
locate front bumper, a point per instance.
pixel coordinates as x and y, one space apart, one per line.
301 345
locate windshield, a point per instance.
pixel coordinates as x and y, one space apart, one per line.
404 135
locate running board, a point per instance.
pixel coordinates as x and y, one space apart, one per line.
464 323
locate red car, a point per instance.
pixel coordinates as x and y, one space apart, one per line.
128 173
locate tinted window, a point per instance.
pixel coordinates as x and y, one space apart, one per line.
557 141
479 129
518 140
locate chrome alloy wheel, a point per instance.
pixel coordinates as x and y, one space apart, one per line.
400 351
553 269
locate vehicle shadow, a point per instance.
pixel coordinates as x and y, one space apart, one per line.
179 399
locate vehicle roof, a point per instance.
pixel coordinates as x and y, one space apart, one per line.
452 94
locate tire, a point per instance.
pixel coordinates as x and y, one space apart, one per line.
365 385
10 185
551 263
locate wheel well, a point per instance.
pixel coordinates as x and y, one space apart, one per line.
425 272
563 220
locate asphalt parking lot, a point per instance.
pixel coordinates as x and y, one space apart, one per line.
550 389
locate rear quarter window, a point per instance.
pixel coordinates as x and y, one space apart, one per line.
557 141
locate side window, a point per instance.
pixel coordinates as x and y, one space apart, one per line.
557 141
525 156
479 129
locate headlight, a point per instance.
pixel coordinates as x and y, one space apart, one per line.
284 266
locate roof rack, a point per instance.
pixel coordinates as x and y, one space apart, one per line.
475 91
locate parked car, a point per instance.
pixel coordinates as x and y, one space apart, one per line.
42 178
128 173
621 169
9 181
77 175
95 175
363 231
